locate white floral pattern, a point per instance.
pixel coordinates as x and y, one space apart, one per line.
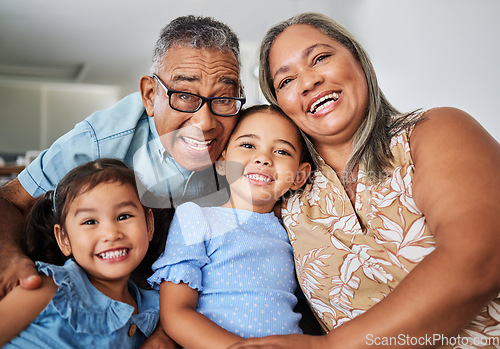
344 270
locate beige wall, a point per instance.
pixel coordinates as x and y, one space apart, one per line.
33 115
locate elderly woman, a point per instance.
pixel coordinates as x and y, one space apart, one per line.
396 240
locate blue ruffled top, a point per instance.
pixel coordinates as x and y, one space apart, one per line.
80 316
241 262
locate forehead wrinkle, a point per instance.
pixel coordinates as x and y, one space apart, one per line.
196 75
184 77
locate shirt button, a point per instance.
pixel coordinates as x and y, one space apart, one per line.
132 330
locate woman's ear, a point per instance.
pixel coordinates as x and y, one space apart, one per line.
150 221
62 240
220 164
148 91
302 175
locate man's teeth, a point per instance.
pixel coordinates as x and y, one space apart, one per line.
324 101
260 178
197 144
113 254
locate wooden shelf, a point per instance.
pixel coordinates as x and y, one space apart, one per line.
10 169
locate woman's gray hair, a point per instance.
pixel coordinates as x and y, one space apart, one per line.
197 32
371 143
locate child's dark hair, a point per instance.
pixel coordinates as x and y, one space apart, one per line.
305 155
52 208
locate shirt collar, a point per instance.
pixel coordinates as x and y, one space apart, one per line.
156 140
164 155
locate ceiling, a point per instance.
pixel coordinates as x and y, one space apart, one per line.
426 52
111 41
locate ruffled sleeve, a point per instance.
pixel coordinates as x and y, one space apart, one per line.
185 250
86 309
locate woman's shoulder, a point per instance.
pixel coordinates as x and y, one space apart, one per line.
446 130
443 119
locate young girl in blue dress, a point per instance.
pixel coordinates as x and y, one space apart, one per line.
95 218
228 272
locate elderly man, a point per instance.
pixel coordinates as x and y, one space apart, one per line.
169 134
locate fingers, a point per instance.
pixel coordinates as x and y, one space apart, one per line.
31 281
18 272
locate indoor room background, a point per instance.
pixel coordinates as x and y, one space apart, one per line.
61 60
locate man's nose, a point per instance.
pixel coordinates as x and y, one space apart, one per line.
203 119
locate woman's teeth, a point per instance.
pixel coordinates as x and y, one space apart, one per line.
324 101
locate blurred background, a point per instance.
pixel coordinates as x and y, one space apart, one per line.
61 60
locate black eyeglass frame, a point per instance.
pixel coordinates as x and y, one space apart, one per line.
204 100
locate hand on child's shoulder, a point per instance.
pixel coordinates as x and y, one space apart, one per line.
20 307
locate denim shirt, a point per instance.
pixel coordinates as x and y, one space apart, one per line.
80 316
124 132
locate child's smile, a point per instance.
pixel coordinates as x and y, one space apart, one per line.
107 231
262 160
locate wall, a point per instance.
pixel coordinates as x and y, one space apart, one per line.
34 114
436 53
426 53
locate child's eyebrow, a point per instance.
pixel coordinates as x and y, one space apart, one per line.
126 203
84 210
248 135
287 143
253 135
119 205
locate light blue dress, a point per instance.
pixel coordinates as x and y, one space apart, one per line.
80 316
241 262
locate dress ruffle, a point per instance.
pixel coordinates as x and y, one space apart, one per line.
88 310
177 273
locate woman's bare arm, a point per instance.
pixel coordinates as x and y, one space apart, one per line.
457 187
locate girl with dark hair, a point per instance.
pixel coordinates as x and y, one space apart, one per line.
227 271
87 236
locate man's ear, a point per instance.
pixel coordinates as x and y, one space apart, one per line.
148 92
62 240
150 221
220 164
301 176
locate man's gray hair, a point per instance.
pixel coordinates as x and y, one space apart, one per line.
197 32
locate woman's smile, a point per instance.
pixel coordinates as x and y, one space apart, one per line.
319 84
324 102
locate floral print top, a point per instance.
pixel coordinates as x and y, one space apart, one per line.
348 259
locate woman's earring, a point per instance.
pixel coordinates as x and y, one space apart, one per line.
220 167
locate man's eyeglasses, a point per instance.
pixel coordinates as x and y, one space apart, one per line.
189 102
